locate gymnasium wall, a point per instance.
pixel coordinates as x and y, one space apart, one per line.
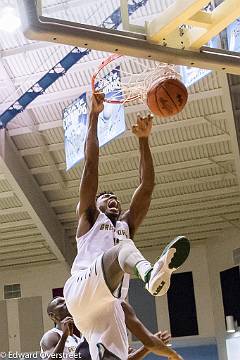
220 258
26 318
4 342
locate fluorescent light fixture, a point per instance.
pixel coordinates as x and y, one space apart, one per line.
9 21
230 324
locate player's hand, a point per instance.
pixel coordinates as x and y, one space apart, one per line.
97 103
158 347
67 326
164 336
143 126
175 357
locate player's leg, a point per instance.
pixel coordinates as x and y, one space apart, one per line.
120 259
126 258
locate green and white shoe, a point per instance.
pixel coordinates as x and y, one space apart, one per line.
173 256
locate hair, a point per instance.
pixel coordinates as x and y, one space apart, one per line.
103 193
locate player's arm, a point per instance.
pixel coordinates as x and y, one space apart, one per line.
87 211
140 353
151 342
52 343
142 197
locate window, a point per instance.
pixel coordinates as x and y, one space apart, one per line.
12 291
230 284
181 305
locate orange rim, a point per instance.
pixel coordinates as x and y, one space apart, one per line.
104 63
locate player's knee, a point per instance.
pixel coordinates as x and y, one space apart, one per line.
119 251
124 246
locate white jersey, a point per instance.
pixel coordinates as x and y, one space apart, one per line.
70 345
101 237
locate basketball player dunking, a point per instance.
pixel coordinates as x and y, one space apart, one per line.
106 255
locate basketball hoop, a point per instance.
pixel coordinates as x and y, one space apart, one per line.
135 77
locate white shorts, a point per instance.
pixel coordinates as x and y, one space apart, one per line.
96 312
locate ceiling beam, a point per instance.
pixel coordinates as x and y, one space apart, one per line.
132 153
181 229
179 212
165 228
34 239
34 45
20 234
40 127
216 206
41 139
10 211
15 224
205 219
156 240
25 253
231 122
162 224
6 194
26 81
126 177
82 65
9 249
192 198
33 200
158 169
38 258
160 200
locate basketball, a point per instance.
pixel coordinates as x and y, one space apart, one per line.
167 97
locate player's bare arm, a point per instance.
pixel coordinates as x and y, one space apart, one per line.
54 342
152 342
142 352
49 341
142 197
87 211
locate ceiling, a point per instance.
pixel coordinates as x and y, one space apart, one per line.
196 153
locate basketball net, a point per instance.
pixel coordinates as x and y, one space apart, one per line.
135 78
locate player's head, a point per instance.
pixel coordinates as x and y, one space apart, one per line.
108 203
57 309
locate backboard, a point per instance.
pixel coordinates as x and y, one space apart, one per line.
173 31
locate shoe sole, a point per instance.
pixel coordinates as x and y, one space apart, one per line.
182 246
172 261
